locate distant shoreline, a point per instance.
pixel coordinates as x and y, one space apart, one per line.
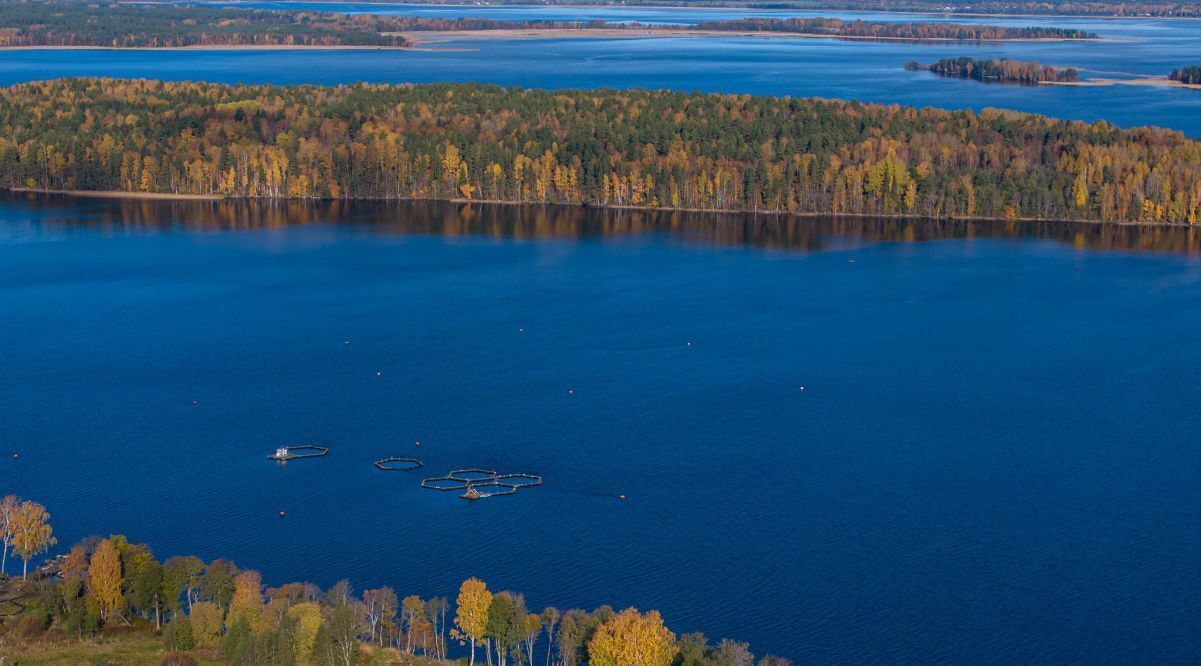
119 194
731 8
211 47
694 9
421 37
160 196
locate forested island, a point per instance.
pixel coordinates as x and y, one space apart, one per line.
634 148
112 601
116 25
878 30
1002 71
64 23
1188 75
1115 8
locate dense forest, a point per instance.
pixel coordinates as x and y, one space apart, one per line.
1189 75
1191 8
1004 71
65 23
595 147
56 23
117 590
869 29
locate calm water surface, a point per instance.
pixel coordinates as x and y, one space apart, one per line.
798 67
995 457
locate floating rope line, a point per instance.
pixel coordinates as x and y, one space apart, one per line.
398 464
473 474
286 453
444 483
521 480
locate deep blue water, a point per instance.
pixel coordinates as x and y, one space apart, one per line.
995 457
784 66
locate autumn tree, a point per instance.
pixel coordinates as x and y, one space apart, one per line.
505 627
8 514
104 579
632 639
471 614
246 604
307 616
550 618
31 533
206 623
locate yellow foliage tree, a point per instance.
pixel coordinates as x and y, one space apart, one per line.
247 602
632 639
308 620
206 624
471 616
31 532
104 579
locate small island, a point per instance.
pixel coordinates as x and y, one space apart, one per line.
999 71
832 27
1189 76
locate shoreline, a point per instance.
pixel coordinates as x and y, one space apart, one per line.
420 37
732 8
119 194
166 197
211 47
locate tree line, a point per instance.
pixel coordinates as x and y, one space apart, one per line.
1190 75
111 585
66 23
639 148
1004 71
1010 7
117 25
880 30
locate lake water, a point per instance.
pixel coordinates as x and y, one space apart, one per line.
783 66
995 457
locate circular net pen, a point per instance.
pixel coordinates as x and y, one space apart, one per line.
445 483
520 480
398 464
485 489
473 474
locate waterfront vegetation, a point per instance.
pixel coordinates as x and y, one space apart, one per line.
879 30
1189 75
639 148
58 23
1008 7
1002 71
113 599
66 23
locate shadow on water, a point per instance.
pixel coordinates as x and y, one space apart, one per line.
529 222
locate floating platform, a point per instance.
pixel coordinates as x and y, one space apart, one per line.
398 464
286 453
487 489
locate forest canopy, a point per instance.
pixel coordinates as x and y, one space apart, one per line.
1189 75
58 23
883 30
656 149
1003 71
